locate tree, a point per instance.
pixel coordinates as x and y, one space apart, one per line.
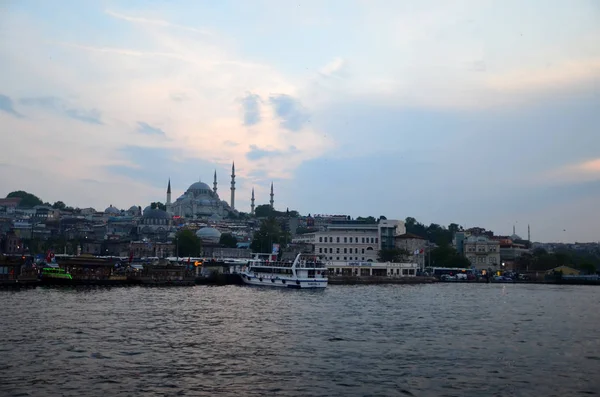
447 256
228 240
588 268
263 211
392 255
59 205
28 200
368 219
188 243
158 205
270 233
382 217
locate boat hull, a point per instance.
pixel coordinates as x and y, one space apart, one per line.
279 282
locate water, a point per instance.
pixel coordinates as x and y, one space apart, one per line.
430 340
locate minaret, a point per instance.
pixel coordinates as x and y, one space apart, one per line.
168 204
528 234
514 230
232 186
215 183
272 195
252 203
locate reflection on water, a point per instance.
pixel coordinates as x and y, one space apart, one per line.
431 340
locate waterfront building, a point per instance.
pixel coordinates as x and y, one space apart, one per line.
352 240
482 251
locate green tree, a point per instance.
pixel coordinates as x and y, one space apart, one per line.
188 243
28 200
392 255
368 219
263 211
59 205
447 256
270 233
228 240
588 268
158 205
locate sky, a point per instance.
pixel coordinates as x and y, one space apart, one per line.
484 113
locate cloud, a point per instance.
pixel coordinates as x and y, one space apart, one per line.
257 153
333 68
156 22
251 107
587 170
293 116
6 104
147 129
92 116
179 97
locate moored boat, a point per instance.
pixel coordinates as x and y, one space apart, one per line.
306 271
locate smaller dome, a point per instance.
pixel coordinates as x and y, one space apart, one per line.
112 210
208 233
133 208
155 214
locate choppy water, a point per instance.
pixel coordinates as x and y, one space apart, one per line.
430 340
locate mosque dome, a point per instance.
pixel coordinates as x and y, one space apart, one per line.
112 210
148 208
133 208
209 234
155 214
198 186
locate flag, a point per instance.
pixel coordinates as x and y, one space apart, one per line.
416 252
422 250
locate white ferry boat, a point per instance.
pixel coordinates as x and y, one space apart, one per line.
304 272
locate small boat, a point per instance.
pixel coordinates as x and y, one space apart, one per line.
306 271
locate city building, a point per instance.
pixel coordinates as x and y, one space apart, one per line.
482 251
347 240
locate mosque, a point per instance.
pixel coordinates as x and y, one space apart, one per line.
200 201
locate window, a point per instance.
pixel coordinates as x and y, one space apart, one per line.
345 250
320 239
363 258
331 250
356 250
331 239
337 239
377 240
363 251
337 250
345 239
344 258
363 240
337 258
320 250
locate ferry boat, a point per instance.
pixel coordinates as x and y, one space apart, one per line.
55 274
306 271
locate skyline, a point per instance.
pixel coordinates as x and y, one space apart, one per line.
470 112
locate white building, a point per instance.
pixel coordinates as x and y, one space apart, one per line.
352 240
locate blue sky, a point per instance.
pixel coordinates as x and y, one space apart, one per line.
483 113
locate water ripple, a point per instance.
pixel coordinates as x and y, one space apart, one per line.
431 340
